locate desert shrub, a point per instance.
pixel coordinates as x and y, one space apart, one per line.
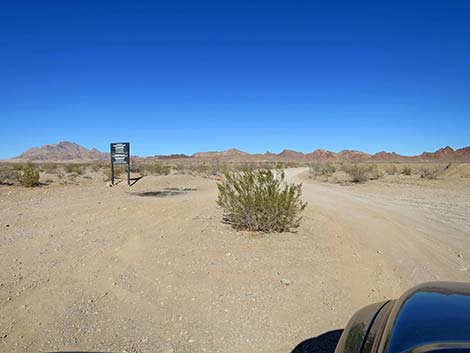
73 168
322 169
391 169
28 175
152 169
118 170
375 173
429 173
406 170
357 172
217 169
7 174
50 168
203 169
247 167
96 167
260 200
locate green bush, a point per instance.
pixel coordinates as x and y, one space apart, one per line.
260 200
357 172
406 170
28 175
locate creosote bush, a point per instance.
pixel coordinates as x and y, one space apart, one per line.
375 173
260 200
357 172
406 170
74 168
391 169
152 169
429 173
322 169
28 175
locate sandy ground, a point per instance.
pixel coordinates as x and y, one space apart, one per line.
94 268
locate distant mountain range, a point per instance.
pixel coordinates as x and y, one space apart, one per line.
69 151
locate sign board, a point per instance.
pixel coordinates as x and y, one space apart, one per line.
120 154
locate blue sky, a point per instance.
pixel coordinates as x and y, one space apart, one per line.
188 76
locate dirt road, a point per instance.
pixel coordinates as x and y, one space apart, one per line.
94 268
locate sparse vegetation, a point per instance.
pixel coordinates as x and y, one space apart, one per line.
118 170
74 168
358 173
429 173
375 173
50 168
260 200
28 175
406 170
322 169
391 169
97 167
152 169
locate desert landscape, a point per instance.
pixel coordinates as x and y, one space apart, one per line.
153 267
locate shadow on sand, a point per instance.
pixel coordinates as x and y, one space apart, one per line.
135 180
325 343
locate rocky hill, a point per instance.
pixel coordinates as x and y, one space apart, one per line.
62 151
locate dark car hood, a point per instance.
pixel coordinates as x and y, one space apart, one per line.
433 316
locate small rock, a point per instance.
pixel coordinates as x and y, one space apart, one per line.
460 256
7 225
285 281
379 252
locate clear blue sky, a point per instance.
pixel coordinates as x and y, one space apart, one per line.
188 76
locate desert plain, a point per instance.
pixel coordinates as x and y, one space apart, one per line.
89 267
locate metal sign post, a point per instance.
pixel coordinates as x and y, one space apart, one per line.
120 154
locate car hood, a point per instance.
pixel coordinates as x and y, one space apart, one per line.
433 316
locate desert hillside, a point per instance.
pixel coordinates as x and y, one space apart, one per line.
62 151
